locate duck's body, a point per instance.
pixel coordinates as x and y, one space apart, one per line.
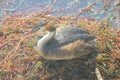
67 43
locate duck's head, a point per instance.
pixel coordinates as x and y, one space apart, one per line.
46 24
50 26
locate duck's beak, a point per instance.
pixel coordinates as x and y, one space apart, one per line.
38 26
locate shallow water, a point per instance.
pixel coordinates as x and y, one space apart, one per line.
69 7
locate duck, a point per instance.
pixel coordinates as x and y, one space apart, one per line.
67 43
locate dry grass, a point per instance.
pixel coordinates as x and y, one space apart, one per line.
17 52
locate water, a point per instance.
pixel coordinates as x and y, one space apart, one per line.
65 7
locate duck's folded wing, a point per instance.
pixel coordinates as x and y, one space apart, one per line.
68 35
58 42
70 38
70 31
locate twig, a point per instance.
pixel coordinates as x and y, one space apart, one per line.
98 74
31 69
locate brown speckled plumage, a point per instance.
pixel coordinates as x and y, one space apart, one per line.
75 49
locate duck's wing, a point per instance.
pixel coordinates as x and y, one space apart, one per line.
69 47
57 42
70 31
68 35
71 38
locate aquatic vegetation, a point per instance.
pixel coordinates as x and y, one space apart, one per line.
17 52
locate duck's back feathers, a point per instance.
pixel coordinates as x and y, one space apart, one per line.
69 35
70 31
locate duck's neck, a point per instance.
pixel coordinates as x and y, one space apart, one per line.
44 40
